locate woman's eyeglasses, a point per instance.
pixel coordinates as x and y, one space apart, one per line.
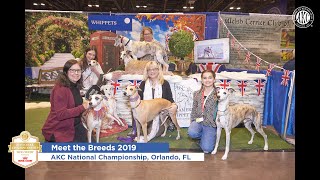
155 69
75 71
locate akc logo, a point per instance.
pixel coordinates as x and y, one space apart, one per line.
25 149
303 17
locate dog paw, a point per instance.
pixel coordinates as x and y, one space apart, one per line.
214 152
177 138
250 142
224 157
265 148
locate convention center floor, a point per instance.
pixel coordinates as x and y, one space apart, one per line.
239 165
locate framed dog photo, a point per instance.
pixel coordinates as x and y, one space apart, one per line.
212 51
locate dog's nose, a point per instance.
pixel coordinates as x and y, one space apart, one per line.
90 103
218 97
125 93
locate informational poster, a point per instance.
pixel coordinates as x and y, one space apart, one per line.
266 36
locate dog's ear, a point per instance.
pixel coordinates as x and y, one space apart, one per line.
231 90
137 87
218 88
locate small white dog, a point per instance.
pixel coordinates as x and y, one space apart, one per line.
93 63
229 117
109 101
142 48
93 117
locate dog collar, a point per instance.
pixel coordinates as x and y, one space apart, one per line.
137 105
134 99
127 42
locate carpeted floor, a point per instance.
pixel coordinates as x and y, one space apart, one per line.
35 119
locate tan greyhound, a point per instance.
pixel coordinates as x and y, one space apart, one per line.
146 110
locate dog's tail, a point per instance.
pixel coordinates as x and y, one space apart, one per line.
164 114
258 119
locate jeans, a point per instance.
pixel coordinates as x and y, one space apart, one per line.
206 134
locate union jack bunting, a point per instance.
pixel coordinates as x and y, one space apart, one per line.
259 85
285 77
116 86
242 86
271 66
135 82
224 83
247 59
212 66
258 64
233 42
239 48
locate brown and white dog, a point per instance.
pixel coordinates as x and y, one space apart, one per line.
229 117
142 48
109 102
146 110
93 117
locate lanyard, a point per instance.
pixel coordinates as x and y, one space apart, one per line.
204 100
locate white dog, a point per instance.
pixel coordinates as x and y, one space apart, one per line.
110 102
229 117
142 48
93 117
93 62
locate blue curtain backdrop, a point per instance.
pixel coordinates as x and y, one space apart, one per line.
275 103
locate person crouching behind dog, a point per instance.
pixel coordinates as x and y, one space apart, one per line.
63 123
153 86
91 74
204 111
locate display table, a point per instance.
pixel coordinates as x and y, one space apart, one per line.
249 89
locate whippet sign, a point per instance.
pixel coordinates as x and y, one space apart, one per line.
25 149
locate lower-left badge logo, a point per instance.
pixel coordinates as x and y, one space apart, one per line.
25 149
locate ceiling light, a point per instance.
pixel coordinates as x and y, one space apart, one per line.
42 4
185 7
145 6
238 8
89 5
191 7
231 7
137 6
97 5
35 4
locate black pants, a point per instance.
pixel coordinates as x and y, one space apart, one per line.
80 134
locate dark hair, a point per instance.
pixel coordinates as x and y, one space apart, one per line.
214 76
84 61
63 77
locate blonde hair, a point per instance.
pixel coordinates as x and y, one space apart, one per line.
145 28
153 65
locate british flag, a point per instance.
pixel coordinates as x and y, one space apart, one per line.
116 86
135 82
242 86
224 83
247 59
233 42
211 66
271 66
258 64
259 85
239 48
285 77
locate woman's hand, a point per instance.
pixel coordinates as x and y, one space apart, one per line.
85 104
